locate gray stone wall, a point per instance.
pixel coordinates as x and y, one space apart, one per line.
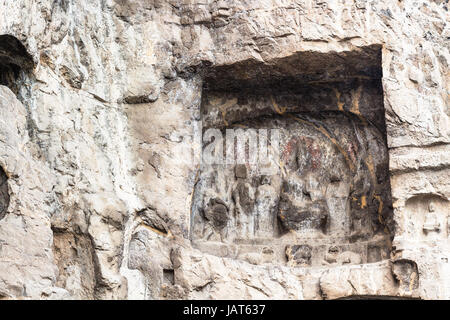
108 96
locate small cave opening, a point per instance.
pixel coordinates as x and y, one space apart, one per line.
4 193
312 181
15 62
169 276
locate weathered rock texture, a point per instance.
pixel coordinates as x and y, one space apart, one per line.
103 194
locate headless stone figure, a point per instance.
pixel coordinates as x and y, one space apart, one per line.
335 256
266 208
216 213
299 255
244 199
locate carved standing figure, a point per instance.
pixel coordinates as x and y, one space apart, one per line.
431 224
244 199
266 207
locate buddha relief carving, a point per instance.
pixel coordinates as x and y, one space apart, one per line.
328 203
325 201
431 221
426 217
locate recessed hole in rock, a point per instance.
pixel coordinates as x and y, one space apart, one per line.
323 197
169 276
14 59
4 194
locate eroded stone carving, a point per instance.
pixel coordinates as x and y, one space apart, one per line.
328 200
217 214
299 255
266 208
335 256
122 46
244 200
406 273
330 187
431 224
427 217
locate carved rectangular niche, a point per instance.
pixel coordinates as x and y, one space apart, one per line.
14 59
323 197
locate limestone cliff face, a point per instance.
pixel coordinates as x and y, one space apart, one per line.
103 190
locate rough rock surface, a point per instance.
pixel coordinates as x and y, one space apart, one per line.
102 109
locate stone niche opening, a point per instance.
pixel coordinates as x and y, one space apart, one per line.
14 61
321 196
4 194
428 218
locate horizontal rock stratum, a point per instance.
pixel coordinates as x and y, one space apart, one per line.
122 124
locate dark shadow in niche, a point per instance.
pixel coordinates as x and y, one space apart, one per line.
14 59
169 276
4 194
16 72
